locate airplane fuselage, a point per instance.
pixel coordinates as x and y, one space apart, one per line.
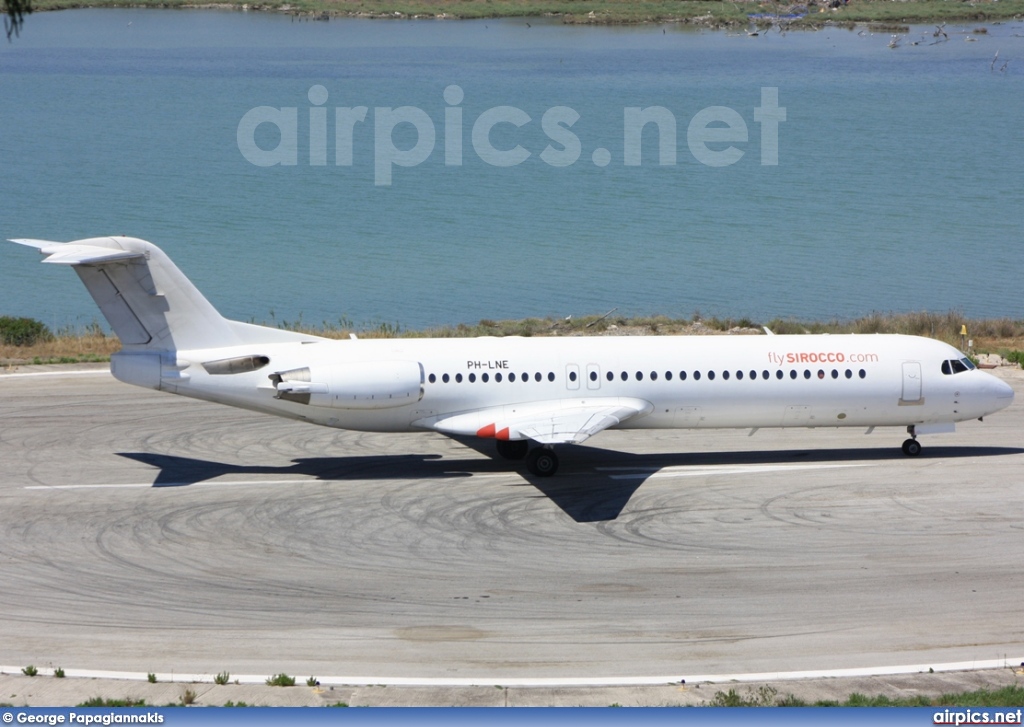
688 381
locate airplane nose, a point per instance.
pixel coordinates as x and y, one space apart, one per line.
1004 391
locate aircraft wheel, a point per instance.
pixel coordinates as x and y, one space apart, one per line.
911 448
542 462
513 449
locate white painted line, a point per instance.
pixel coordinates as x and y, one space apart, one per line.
698 471
204 483
96 372
768 676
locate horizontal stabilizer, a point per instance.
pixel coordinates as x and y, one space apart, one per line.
70 253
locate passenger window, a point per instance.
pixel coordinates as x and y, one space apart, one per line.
739 374
711 375
668 376
682 376
432 378
512 378
654 376
444 378
696 375
807 373
610 376
792 374
593 376
725 375
458 378
472 378
862 373
572 376
778 374
497 377
835 374
821 374
849 374
624 376
639 375
765 374
551 376
484 378
536 376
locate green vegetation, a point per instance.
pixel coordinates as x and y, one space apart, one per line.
235 704
188 697
101 702
23 331
338 704
151 677
58 672
312 682
766 696
29 671
222 678
281 680
709 13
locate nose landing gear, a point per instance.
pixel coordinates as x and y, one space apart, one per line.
912 447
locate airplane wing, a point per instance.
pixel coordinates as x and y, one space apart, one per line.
562 421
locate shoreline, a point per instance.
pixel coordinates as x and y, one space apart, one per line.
882 15
1003 337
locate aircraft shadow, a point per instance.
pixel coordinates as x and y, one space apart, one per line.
581 489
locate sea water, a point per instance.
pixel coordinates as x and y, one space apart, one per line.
893 182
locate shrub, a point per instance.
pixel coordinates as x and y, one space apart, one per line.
58 672
281 680
188 696
312 682
101 702
151 677
222 678
29 671
22 331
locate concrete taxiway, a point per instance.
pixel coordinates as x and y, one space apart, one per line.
141 532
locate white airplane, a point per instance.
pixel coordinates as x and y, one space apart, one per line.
518 390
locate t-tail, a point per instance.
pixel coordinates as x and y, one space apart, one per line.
151 306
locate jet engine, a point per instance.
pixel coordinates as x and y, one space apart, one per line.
352 385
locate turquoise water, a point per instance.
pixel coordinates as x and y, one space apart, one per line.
898 185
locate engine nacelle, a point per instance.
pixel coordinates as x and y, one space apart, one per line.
353 385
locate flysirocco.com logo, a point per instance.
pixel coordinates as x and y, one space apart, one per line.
716 136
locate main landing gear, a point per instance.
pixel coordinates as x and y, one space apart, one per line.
513 449
912 447
541 461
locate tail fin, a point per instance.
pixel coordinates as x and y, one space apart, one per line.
147 300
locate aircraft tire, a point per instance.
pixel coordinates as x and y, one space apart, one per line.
513 449
542 462
911 448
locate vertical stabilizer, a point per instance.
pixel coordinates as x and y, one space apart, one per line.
147 300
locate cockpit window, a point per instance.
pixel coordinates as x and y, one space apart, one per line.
957 366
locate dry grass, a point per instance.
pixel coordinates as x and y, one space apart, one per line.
65 348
